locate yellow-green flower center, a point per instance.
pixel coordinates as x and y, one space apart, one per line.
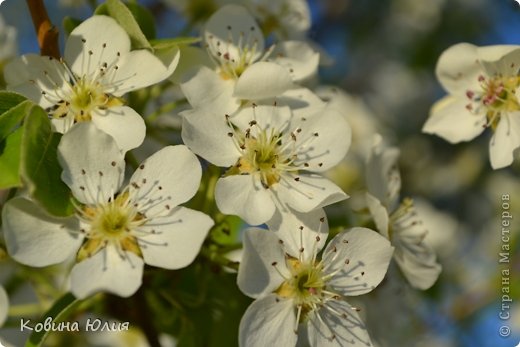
85 96
305 285
110 223
262 154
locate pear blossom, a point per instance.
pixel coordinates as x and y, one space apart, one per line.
274 159
243 69
115 229
98 68
4 305
482 83
399 223
299 295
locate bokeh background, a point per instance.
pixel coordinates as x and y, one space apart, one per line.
384 52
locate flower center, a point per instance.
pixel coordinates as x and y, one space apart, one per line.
261 155
110 223
234 55
497 96
84 97
305 285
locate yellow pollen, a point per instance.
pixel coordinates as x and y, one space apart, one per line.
110 223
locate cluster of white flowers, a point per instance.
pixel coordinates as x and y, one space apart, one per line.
275 142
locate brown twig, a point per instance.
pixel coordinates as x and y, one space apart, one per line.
47 33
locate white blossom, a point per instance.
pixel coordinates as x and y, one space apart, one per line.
482 83
114 231
300 297
243 68
274 159
98 68
399 222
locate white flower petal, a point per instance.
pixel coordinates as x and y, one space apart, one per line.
382 175
206 133
229 30
418 266
267 118
171 175
93 166
32 75
302 101
306 192
495 52
458 68
204 87
97 40
4 305
122 123
170 58
189 58
303 234
36 239
505 140
451 120
269 321
339 326
135 70
176 239
257 276
107 271
244 196
262 80
506 64
298 57
379 214
324 140
363 257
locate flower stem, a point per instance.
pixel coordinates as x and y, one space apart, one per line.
47 33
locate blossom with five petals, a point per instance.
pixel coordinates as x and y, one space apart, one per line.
98 68
296 290
114 231
482 83
243 69
274 158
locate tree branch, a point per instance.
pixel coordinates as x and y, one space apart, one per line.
47 33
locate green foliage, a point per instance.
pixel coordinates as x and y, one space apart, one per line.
58 313
203 307
136 22
10 119
10 137
9 100
171 43
70 24
40 169
10 160
144 18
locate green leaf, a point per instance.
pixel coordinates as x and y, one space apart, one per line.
58 313
40 169
226 232
170 43
144 18
11 118
10 160
70 24
9 100
122 14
